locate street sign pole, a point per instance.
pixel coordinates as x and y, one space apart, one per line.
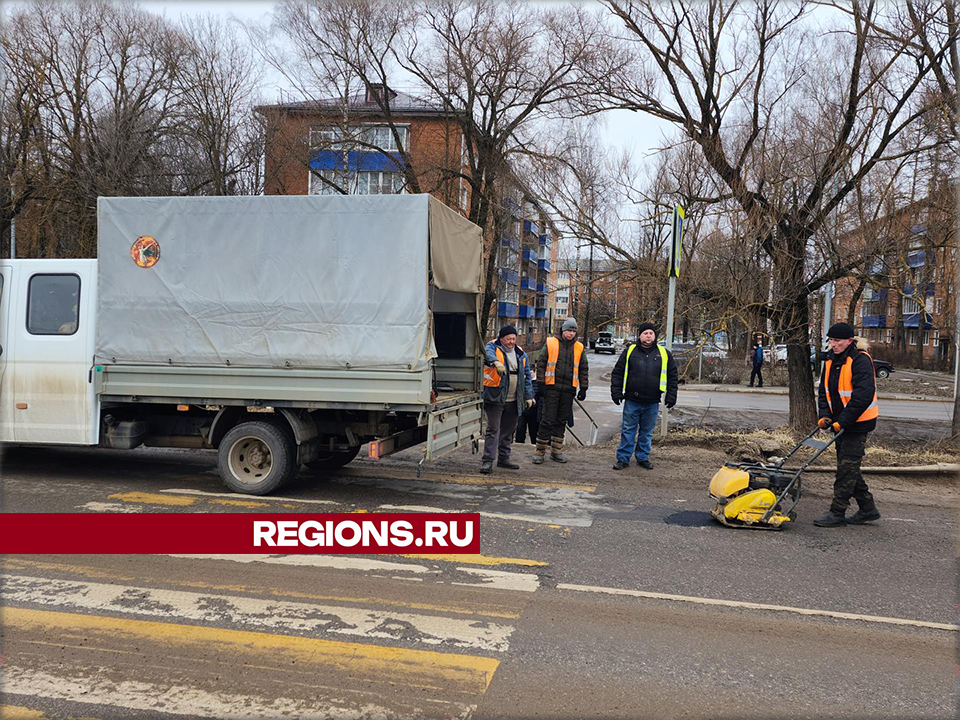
674 273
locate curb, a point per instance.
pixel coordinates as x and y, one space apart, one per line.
784 391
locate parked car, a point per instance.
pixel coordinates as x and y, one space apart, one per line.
605 343
775 354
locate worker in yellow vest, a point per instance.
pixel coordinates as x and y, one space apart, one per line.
562 374
645 373
848 402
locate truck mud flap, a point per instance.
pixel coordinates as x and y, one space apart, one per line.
451 428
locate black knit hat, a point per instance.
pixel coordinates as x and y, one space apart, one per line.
840 331
646 326
507 330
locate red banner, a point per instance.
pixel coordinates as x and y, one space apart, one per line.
239 533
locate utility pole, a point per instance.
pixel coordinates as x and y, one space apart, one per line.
674 272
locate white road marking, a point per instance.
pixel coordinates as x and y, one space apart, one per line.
758 606
516 517
95 689
257 614
901 519
241 496
106 507
495 579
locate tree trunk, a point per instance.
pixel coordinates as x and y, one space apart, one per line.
803 409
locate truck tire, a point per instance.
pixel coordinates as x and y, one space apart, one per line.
256 458
328 461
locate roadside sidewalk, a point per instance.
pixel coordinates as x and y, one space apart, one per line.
784 391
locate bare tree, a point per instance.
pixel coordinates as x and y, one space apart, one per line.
787 145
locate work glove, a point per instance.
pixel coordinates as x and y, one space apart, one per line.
617 399
836 427
500 367
670 405
824 422
529 403
582 395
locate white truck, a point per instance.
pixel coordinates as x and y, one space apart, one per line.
279 331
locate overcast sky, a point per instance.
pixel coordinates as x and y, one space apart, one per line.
623 130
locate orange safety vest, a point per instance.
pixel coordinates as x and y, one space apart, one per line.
491 378
553 352
845 388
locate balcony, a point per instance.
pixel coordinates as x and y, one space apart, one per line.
508 276
512 207
544 239
909 290
541 312
510 242
874 321
357 161
531 227
913 319
527 311
541 288
917 259
506 309
544 265
529 255
527 283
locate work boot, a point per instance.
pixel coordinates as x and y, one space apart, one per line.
486 466
556 452
537 458
505 463
645 464
831 519
620 465
866 513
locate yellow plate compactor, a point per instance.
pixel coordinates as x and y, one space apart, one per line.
753 495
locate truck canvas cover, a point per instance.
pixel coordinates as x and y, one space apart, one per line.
279 281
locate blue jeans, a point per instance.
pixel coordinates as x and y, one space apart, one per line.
634 414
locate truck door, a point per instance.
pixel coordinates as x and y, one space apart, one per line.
53 355
7 291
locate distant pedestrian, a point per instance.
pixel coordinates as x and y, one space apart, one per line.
644 373
756 357
507 392
562 371
848 402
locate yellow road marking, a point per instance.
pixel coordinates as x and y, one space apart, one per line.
412 667
16 712
95 573
479 560
154 498
240 503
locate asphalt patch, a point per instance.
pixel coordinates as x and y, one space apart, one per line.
690 518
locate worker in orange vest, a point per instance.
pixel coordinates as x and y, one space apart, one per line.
848 402
562 374
507 392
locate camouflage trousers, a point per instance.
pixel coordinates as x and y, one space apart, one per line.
849 482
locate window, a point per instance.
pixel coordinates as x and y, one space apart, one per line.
953 253
910 306
381 136
889 336
912 337
936 338
939 305
326 138
379 183
340 178
564 276
53 304
926 337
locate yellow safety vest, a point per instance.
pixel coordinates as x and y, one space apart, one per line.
845 387
553 352
663 367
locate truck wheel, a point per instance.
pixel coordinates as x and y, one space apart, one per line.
256 458
328 461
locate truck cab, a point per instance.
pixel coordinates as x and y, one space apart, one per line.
47 342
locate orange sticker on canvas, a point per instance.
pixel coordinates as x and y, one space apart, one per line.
145 251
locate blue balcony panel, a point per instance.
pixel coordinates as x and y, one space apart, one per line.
526 283
909 290
541 312
527 311
508 276
541 288
916 259
510 243
544 265
874 321
913 320
356 161
506 309
531 227
544 239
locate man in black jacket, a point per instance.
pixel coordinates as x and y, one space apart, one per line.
645 372
848 401
562 374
